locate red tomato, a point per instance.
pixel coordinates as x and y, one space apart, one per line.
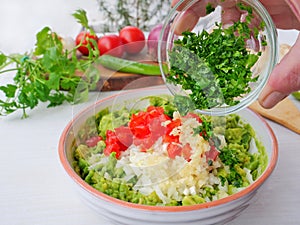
113 144
193 115
172 138
145 143
124 135
147 127
133 39
174 150
84 39
186 152
111 45
139 125
212 153
91 142
112 148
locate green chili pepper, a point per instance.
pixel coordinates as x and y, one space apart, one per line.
296 95
128 66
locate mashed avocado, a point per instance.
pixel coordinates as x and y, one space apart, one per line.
236 168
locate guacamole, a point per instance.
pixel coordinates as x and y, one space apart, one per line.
156 156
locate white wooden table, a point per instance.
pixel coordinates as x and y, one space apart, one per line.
34 190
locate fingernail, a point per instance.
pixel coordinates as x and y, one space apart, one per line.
272 99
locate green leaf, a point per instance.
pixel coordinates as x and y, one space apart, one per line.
3 59
9 90
54 81
81 17
42 43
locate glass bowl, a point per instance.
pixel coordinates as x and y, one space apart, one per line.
236 49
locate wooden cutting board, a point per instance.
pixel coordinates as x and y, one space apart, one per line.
111 80
284 113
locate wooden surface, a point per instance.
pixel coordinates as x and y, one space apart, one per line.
111 80
285 113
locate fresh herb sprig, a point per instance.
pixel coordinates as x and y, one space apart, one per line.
47 74
215 67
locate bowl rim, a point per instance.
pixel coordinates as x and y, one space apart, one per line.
100 195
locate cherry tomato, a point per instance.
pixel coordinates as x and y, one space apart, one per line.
111 45
84 39
133 39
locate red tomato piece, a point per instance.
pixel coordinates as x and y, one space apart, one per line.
169 137
187 152
83 39
139 125
133 39
111 45
155 111
174 150
146 142
113 144
124 135
112 148
193 115
91 142
147 127
212 153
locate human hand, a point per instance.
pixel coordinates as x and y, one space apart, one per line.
285 78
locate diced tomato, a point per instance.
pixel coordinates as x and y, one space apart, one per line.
112 148
145 143
169 137
147 127
187 152
155 111
212 153
113 144
174 150
139 125
156 127
193 115
124 135
91 142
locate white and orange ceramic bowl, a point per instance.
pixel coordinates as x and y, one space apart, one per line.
121 212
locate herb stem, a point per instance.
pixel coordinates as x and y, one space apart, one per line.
8 70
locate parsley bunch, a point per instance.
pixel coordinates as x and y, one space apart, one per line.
215 67
48 73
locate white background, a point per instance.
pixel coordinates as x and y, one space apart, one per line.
34 190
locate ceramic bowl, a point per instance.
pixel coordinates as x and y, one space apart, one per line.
121 212
218 103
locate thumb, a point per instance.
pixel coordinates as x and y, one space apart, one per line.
284 79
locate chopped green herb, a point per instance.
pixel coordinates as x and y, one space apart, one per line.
209 8
215 67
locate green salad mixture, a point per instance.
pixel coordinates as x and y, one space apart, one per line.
156 156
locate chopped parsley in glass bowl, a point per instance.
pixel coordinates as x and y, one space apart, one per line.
219 63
